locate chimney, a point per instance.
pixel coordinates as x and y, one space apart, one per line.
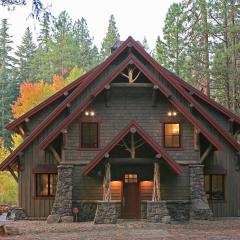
116 45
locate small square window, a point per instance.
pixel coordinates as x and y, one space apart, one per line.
131 178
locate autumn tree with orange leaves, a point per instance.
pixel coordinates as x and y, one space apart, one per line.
31 94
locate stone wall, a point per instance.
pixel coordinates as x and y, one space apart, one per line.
178 210
63 200
157 212
106 213
199 208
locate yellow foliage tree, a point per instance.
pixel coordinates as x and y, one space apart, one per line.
8 185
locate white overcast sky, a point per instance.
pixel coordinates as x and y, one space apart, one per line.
137 18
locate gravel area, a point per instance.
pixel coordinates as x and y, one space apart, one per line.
224 229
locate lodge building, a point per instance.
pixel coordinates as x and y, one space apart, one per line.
128 139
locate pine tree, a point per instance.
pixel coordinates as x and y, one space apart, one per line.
225 33
62 46
42 57
45 32
111 37
170 52
7 85
24 59
84 43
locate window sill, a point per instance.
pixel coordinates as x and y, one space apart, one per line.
89 149
217 201
174 149
43 198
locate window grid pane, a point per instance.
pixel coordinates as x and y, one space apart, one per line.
89 135
172 135
214 187
46 184
131 178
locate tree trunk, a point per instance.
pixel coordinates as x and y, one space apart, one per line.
226 80
204 15
234 57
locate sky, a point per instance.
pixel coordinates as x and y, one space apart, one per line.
137 18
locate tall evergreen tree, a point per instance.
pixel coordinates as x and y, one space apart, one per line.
42 61
7 85
225 34
170 51
24 59
45 32
62 46
84 42
111 37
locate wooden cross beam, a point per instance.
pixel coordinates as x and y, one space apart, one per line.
206 153
13 174
107 95
55 154
154 95
64 134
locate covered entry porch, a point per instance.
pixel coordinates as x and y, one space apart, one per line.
131 168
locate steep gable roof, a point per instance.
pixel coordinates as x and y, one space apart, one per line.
173 164
131 59
89 78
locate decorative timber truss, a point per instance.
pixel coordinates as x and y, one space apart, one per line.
130 75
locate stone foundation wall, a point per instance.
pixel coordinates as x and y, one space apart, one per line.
199 208
178 210
143 209
157 212
87 209
106 213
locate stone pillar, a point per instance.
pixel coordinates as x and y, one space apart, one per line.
199 208
106 213
157 212
62 206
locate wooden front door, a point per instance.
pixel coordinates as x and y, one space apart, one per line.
130 201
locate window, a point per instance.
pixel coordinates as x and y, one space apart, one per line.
130 178
214 186
46 184
89 135
172 135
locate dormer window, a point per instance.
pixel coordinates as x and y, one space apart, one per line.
172 135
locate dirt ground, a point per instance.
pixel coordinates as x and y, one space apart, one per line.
196 230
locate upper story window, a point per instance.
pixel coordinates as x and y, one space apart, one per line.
214 186
46 184
172 135
89 135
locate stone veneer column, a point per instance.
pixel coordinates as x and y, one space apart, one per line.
106 213
199 208
62 206
157 212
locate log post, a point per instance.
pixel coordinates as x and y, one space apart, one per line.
107 183
156 196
